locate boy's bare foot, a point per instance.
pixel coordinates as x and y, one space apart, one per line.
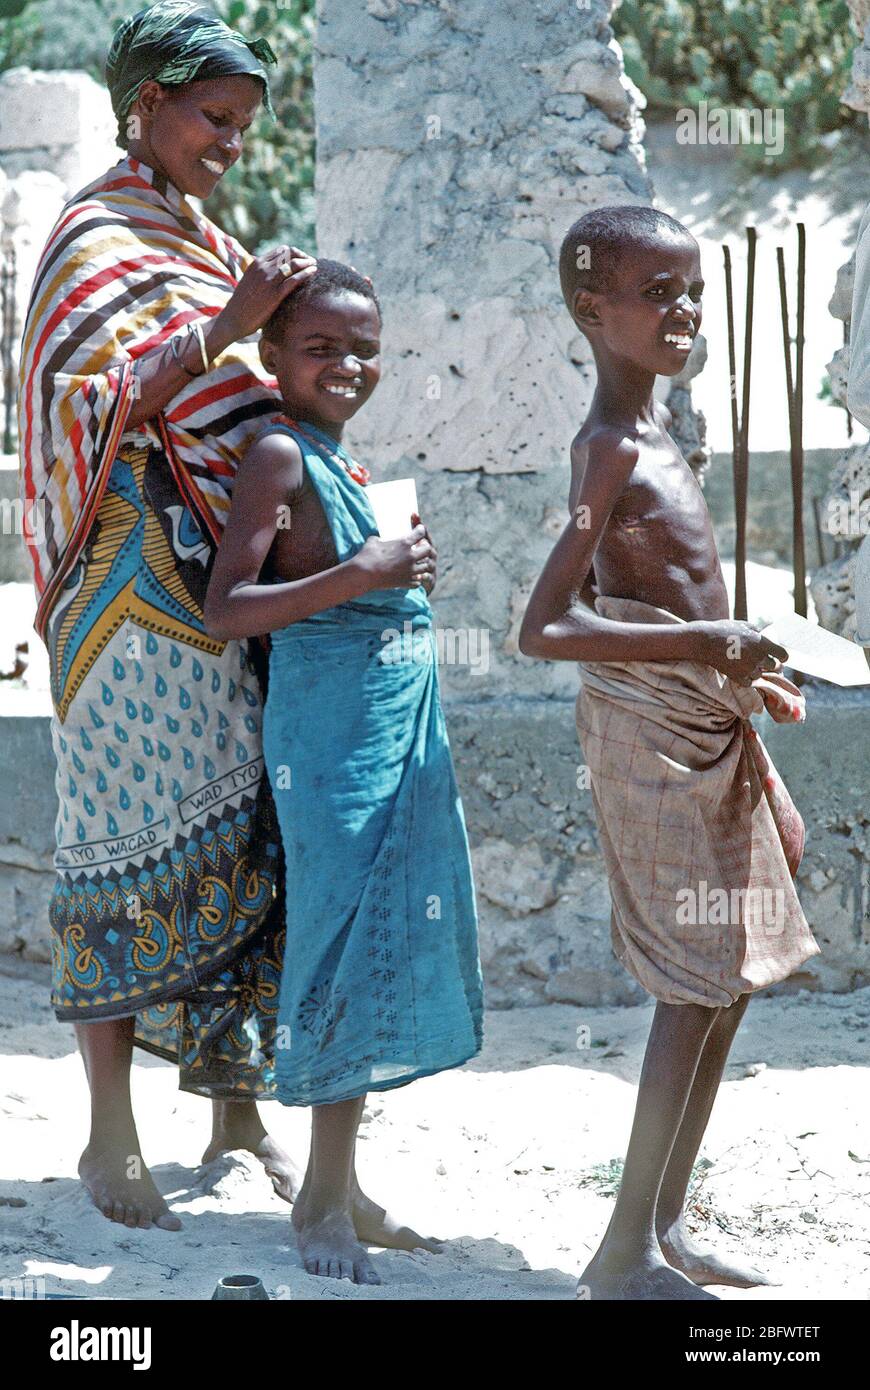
647 1279
329 1246
375 1226
131 1201
237 1125
704 1266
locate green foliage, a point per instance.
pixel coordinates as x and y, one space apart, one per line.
51 34
744 53
269 194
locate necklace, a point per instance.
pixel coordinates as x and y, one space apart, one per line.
357 471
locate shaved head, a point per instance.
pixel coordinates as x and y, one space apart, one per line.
601 242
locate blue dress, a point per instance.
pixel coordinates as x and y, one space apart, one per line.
382 981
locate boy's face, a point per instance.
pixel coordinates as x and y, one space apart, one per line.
653 313
328 362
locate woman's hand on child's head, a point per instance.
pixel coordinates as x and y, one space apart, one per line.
398 564
267 280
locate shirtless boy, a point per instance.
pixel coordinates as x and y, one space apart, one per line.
686 800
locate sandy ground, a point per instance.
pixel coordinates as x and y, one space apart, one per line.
510 1159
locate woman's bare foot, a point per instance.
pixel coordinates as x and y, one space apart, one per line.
645 1278
329 1245
704 1266
237 1125
375 1226
122 1188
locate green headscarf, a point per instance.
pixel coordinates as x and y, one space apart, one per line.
177 41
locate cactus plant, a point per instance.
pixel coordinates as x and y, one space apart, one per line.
744 53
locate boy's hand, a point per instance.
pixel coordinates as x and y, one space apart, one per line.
398 564
739 652
262 288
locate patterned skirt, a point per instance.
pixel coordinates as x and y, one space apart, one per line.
169 901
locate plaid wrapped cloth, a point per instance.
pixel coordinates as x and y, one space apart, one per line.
699 835
128 263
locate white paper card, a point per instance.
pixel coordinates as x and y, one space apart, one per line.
393 504
817 652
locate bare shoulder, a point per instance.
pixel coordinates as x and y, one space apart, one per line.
273 459
604 452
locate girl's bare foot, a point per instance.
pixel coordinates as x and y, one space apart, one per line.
237 1125
375 1226
329 1245
122 1188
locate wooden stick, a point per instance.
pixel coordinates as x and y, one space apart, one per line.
817 517
732 381
741 476
797 455
732 359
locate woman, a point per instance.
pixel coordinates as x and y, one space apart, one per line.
138 395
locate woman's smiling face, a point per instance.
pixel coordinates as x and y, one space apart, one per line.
194 132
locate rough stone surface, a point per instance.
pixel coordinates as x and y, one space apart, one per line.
27 813
56 134
833 588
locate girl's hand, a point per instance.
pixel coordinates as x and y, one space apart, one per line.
398 564
262 288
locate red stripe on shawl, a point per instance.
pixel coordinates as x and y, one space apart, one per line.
98 281
177 321
76 435
233 386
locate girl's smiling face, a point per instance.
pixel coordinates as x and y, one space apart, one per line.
194 133
328 359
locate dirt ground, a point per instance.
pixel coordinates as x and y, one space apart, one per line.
512 1160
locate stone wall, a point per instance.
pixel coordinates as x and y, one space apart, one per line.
56 135
834 587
